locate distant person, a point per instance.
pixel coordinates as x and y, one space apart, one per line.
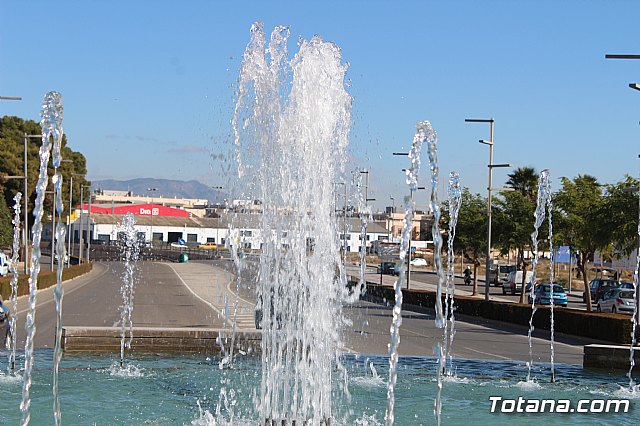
467 276
4 323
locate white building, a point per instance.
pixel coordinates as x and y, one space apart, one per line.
245 230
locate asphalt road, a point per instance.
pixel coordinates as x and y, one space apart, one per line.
163 299
474 338
160 300
423 276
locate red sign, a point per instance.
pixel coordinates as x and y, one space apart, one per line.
139 210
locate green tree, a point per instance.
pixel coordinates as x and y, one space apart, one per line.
6 228
519 207
620 208
471 230
514 225
12 130
581 221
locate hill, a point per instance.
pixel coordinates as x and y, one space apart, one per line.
165 187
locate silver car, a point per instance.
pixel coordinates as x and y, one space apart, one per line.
4 324
617 300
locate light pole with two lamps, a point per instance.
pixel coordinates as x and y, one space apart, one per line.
491 166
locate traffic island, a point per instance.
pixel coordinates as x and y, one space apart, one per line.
148 339
610 357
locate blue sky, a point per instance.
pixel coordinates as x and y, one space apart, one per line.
148 86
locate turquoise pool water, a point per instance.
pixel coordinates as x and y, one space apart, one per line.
184 390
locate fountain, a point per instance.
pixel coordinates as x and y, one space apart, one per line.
423 132
365 217
543 205
130 246
13 301
51 130
295 147
455 201
291 127
52 124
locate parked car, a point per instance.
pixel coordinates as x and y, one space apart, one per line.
617 300
418 261
388 268
4 324
542 295
513 284
208 246
598 286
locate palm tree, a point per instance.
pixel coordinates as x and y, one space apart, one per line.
525 181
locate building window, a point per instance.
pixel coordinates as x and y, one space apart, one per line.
157 236
342 236
211 240
246 233
192 238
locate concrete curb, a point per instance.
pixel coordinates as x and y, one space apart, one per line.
610 357
149 339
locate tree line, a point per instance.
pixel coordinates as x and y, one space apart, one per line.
12 130
587 216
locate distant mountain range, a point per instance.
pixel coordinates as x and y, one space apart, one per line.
167 188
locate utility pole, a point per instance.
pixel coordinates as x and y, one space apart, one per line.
151 236
89 227
26 238
489 189
406 154
70 211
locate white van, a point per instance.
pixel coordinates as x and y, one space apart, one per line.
4 264
513 284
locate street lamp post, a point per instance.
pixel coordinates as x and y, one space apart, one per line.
82 232
53 220
491 166
634 86
89 227
366 203
217 223
151 236
393 210
25 198
70 210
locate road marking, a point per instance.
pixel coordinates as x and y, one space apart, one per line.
198 296
69 291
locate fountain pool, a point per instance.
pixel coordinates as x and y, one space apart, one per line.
166 390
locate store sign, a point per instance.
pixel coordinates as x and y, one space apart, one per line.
149 212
